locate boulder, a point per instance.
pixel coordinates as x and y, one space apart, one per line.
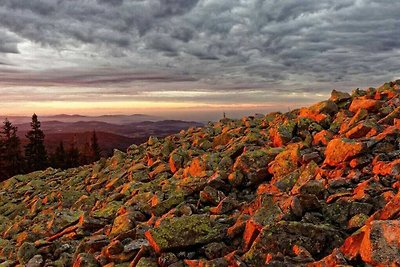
323 137
318 240
340 150
324 107
337 96
253 165
36 261
123 223
358 131
85 260
177 160
26 252
381 243
185 232
282 134
215 250
147 262
225 205
371 105
285 162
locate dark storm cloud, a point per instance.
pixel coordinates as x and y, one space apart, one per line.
8 43
175 7
110 2
308 45
98 77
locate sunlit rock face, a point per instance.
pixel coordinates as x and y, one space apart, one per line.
317 186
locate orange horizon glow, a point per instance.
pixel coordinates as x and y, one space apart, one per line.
130 107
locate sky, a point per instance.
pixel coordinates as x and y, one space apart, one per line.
191 58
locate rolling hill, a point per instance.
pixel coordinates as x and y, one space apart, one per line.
110 136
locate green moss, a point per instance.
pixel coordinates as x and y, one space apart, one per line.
176 233
286 130
37 184
268 213
168 204
253 137
304 123
327 107
146 262
319 240
287 182
108 211
26 252
10 208
68 198
307 174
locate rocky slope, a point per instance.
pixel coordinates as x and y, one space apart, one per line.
317 186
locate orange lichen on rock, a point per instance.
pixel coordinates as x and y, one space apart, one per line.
251 232
381 243
383 168
323 137
358 131
197 168
352 244
368 104
340 150
308 113
389 211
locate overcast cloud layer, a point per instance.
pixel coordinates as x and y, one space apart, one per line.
244 51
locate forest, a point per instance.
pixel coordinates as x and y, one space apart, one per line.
17 159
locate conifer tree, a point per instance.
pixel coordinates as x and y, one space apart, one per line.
85 155
35 151
10 153
60 157
95 148
72 156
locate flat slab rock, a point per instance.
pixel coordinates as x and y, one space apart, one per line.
342 149
281 237
183 232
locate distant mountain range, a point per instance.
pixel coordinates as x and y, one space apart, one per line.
133 130
110 135
116 119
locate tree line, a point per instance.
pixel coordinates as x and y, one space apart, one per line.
15 159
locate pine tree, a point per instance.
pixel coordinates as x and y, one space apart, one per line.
72 156
95 148
85 156
60 157
11 158
35 151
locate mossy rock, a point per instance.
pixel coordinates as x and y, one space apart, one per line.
268 213
165 205
146 262
108 211
26 252
68 198
280 237
184 232
287 182
286 161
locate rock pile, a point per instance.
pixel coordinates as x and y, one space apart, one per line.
317 186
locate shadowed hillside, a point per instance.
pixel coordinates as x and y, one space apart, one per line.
317 186
107 141
111 136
